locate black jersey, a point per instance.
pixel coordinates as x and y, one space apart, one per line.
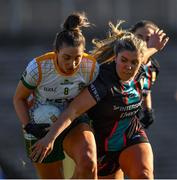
117 104
152 70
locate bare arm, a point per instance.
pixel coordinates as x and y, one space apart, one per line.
157 42
148 101
79 105
20 102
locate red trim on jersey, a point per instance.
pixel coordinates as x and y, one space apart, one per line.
125 139
112 132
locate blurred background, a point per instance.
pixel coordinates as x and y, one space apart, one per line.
27 30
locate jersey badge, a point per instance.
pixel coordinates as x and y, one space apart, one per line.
66 81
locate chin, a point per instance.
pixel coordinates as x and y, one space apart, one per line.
69 70
127 79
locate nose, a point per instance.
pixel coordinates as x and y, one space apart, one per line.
128 66
69 65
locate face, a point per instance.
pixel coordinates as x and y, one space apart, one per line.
128 64
144 32
69 58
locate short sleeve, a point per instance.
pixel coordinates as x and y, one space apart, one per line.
31 75
100 87
96 71
151 73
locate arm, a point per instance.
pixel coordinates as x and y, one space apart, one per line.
20 103
148 101
147 113
79 105
157 42
21 108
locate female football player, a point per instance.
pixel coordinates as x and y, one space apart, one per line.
55 78
155 40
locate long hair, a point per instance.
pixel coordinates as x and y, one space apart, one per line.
104 49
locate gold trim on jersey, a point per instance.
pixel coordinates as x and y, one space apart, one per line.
93 65
53 56
47 56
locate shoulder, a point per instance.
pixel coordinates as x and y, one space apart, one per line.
89 67
108 70
152 66
88 61
141 73
46 56
46 61
107 75
88 57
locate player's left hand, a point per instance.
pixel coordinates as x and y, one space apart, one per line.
158 40
147 118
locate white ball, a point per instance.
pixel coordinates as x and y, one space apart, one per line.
46 114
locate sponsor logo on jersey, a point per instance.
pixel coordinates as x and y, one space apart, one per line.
127 108
50 89
66 81
128 114
95 92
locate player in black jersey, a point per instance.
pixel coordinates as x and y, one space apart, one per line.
145 29
148 32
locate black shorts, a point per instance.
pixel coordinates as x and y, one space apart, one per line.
108 162
58 152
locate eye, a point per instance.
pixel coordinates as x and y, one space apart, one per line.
123 60
78 58
134 63
66 58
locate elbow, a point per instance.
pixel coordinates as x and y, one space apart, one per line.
17 100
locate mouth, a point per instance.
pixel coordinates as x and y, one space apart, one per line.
128 73
69 70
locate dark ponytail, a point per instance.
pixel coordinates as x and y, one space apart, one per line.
71 34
